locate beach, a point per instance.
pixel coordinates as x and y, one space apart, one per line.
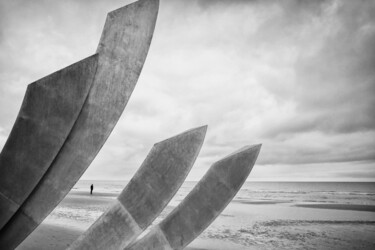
261 216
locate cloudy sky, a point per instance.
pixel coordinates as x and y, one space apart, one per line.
297 76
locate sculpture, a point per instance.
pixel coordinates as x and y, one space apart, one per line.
64 121
149 191
48 112
120 56
203 204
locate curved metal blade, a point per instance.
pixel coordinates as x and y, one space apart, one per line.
203 204
149 191
122 51
50 107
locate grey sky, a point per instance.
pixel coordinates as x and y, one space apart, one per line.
297 76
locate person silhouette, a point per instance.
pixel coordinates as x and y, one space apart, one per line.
91 188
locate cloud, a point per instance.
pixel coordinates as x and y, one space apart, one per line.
315 172
334 83
296 76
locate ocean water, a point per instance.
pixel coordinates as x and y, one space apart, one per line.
360 193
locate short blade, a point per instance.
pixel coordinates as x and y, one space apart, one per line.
203 204
149 191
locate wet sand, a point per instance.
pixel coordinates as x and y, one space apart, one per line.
47 237
242 225
354 207
273 202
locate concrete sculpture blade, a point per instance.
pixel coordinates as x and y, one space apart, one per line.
203 204
121 53
50 107
149 191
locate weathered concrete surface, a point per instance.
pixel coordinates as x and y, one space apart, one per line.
115 227
203 204
122 51
50 107
148 192
154 240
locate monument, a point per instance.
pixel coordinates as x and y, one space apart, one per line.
64 121
119 60
203 204
48 113
148 192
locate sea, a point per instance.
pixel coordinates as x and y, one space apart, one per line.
360 193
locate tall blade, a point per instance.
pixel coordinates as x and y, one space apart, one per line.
203 204
50 107
122 51
149 191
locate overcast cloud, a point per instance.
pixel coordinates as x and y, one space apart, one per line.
297 76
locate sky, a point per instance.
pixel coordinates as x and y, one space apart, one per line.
296 76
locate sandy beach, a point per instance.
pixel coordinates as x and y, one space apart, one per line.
244 224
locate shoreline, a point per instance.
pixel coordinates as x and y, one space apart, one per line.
247 223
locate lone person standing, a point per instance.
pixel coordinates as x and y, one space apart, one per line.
91 188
